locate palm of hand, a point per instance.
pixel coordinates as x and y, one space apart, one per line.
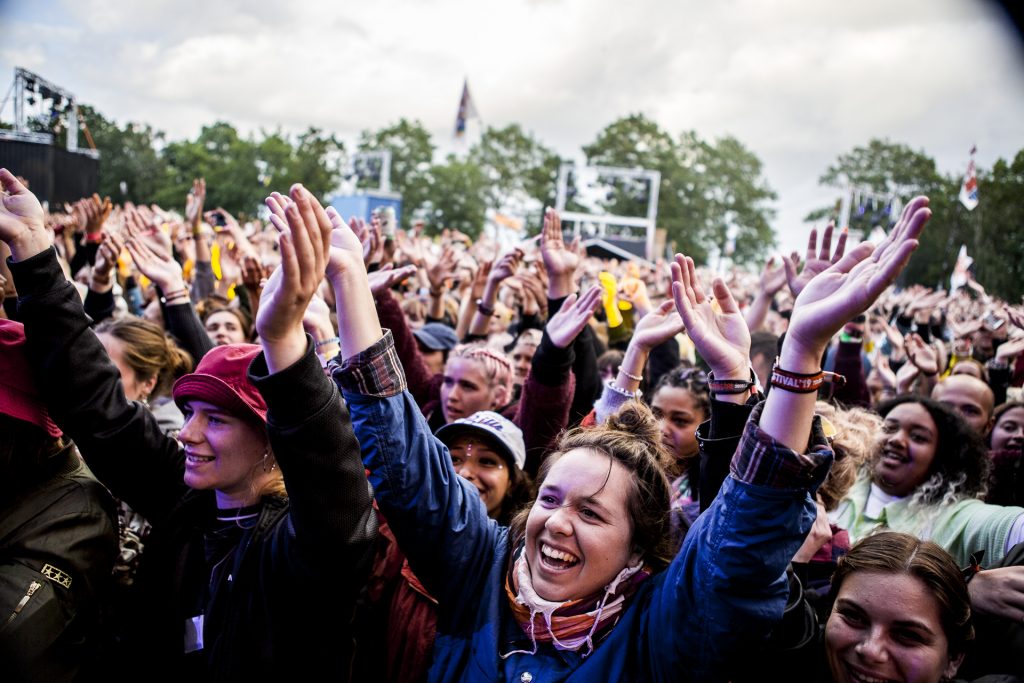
829 301
773 280
723 339
656 328
558 258
812 267
346 250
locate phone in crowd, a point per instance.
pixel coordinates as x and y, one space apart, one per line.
387 221
992 322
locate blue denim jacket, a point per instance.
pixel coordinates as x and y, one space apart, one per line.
724 590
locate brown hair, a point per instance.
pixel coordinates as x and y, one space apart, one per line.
632 438
149 352
897 553
244 320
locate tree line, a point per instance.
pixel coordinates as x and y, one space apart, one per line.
712 192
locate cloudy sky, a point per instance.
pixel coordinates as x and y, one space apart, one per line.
797 81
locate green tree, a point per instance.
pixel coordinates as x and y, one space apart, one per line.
707 189
227 161
520 170
314 159
458 191
128 154
411 156
998 249
885 167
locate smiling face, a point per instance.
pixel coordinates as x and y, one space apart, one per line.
906 449
1009 430
679 416
223 452
579 531
475 461
887 627
223 327
466 389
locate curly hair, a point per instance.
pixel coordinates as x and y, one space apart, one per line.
961 465
853 443
632 438
891 552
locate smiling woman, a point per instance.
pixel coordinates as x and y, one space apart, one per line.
901 613
215 586
583 587
925 478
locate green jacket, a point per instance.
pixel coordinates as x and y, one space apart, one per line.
962 528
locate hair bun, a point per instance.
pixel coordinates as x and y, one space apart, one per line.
636 418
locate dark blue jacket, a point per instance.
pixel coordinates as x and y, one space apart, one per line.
724 590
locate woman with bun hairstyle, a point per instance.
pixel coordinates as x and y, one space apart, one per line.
231 548
581 586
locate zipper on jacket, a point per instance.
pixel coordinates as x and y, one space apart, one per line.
32 588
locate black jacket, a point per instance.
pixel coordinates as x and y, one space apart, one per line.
300 567
58 540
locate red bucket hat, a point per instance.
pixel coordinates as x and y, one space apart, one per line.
18 396
221 378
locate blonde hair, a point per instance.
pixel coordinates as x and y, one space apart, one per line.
853 443
497 368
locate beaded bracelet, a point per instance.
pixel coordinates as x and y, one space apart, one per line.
635 378
328 342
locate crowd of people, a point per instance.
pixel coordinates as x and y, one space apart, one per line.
305 445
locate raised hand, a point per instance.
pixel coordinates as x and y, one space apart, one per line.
657 327
849 287
566 325
560 260
158 266
442 269
346 252
480 278
773 278
21 219
882 374
96 211
194 202
506 266
922 355
106 259
814 263
1010 349
388 276
721 337
304 242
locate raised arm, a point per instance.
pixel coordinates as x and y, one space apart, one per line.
728 579
310 431
437 516
121 440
